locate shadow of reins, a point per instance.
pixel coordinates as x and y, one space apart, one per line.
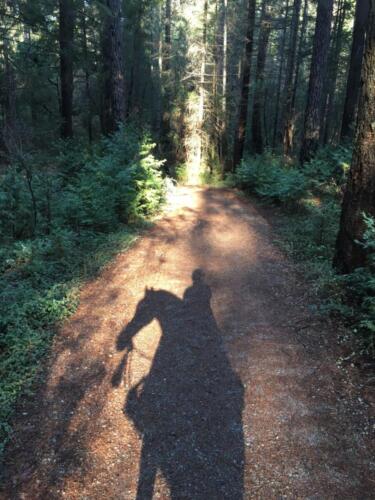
123 370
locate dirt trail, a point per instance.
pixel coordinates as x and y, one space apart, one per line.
217 383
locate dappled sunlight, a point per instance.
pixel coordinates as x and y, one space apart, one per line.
183 371
187 249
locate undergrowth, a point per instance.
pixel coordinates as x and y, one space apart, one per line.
63 217
310 198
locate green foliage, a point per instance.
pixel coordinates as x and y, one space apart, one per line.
82 201
39 282
360 286
212 175
312 230
327 171
310 236
121 181
181 173
268 177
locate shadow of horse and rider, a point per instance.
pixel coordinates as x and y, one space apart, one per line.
188 409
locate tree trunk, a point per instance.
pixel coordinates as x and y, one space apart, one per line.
301 46
220 60
330 62
10 130
202 83
224 125
311 133
280 75
66 39
136 56
158 65
360 193
259 101
225 57
10 94
113 104
333 73
87 74
354 76
240 133
288 122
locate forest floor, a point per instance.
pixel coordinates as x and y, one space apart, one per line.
230 387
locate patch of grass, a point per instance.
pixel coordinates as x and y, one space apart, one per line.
40 282
309 236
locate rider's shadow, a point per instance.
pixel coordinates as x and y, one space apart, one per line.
189 407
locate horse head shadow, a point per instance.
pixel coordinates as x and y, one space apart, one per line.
188 408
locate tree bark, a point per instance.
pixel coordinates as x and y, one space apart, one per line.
87 73
220 60
333 73
136 57
301 46
10 93
225 57
202 82
311 133
167 83
240 133
354 75
288 122
9 136
113 104
259 100
66 40
279 78
359 198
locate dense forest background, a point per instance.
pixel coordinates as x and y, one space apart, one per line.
185 71
103 102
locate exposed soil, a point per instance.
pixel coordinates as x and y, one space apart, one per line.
220 382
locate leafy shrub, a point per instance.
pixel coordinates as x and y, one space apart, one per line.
212 175
329 168
312 232
15 205
268 177
118 182
181 173
360 287
62 217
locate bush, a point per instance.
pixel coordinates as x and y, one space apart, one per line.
268 177
119 182
360 287
328 170
312 231
181 173
62 217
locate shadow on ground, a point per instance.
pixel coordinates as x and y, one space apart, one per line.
188 408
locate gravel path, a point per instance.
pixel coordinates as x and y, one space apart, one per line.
195 369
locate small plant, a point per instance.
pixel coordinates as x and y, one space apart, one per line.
181 173
327 171
268 177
